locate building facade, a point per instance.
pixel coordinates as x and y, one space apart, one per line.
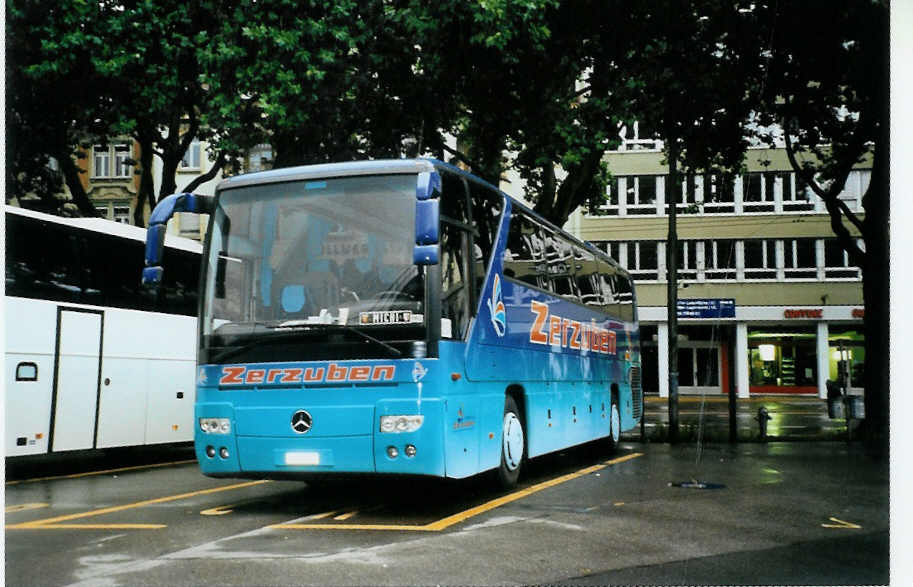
768 300
111 181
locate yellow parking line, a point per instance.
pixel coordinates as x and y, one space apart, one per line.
129 506
345 516
105 472
387 527
449 521
457 518
89 527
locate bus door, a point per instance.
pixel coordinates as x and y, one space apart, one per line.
74 408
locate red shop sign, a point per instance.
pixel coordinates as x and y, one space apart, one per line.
816 313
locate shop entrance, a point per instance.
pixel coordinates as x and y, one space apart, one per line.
699 367
782 360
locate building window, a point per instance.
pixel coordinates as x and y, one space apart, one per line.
641 259
760 259
717 196
758 192
609 206
837 262
857 182
111 161
797 196
260 158
122 214
720 259
640 194
687 260
799 259
638 137
191 158
116 212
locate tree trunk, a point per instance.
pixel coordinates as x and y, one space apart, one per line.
169 171
876 272
77 191
217 165
672 196
146 183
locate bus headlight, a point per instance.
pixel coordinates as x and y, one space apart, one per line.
398 424
215 425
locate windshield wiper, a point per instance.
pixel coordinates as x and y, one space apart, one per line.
253 344
396 352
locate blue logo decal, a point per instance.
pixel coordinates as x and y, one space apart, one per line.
496 308
418 372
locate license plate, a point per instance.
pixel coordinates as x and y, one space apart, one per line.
388 317
302 459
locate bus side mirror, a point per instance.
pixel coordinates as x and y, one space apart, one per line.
427 219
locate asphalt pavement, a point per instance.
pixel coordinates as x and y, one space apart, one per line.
809 513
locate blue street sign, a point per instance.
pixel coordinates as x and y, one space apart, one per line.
706 308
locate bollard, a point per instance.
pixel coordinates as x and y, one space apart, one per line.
763 418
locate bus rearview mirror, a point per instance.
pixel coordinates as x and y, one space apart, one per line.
427 222
426 254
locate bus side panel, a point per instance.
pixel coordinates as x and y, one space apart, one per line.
170 402
29 341
462 416
28 403
566 386
122 411
148 380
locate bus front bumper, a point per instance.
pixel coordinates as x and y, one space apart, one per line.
419 452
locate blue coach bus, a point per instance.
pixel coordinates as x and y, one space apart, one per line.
399 317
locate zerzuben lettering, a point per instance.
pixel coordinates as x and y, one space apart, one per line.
559 332
332 373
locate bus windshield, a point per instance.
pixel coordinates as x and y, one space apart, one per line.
302 269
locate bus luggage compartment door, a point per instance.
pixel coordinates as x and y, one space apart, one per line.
75 401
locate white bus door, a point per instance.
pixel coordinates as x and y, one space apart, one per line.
74 410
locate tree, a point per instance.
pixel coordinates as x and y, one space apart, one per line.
149 56
53 101
285 73
830 98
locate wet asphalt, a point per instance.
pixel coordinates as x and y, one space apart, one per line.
813 513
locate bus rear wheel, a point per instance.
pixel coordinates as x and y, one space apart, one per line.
614 426
513 445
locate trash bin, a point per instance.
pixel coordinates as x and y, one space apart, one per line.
834 400
855 405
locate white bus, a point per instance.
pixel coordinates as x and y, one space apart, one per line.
90 362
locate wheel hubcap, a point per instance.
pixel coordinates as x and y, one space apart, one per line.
513 441
616 423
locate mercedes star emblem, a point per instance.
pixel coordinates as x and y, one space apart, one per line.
301 422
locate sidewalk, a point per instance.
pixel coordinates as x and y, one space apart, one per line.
720 398
799 418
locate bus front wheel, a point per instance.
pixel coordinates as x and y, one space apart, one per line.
513 445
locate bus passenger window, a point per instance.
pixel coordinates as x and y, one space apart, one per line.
560 266
524 257
454 291
585 276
